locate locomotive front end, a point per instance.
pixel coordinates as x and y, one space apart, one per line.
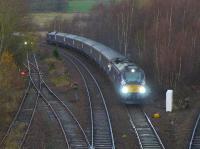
132 88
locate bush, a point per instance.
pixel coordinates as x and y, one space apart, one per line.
182 97
61 81
10 86
56 53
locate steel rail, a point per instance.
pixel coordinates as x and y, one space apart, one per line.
49 105
89 99
66 108
16 115
197 123
155 132
27 131
99 89
31 120
134 127
145 131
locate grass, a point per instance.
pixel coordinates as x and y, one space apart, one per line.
80 5
73 7
83 6
15 135
61 81
42 19
58 74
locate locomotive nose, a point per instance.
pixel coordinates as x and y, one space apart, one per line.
132 88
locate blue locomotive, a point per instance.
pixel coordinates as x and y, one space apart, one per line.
127 77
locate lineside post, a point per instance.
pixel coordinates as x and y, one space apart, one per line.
169 100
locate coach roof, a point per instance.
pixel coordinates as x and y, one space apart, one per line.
109 53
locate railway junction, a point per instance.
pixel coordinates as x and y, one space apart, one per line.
86 114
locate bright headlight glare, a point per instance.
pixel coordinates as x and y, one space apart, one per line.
132 70
142 89
124 89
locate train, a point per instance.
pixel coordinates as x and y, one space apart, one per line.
127 78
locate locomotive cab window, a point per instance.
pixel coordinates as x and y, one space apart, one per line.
135 76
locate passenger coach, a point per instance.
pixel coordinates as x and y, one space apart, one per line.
128 78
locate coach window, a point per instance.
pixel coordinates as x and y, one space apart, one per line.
73 42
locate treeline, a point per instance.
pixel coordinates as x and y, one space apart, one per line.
48 5
14 21
162 36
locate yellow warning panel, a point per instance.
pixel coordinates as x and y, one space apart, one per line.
156 115
133 88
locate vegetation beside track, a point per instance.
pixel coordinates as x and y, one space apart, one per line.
14 25
70 6
11 142
11 88
57 72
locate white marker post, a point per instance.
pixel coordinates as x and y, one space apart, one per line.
169 100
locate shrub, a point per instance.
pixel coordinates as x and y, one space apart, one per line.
56 53
10 86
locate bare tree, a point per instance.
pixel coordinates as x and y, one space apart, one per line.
11 15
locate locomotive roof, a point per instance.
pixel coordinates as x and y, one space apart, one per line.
122 64
60 34
52 33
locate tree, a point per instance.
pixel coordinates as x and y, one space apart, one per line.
166 34
9 87
12 18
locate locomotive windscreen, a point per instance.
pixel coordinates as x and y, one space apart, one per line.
136 76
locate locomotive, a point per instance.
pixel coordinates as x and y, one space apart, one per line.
127 77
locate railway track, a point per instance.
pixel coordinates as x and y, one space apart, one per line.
101 129
146 134
74 135
38 89
22 121
195 138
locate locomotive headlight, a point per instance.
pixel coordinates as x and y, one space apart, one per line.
124 89
132 70
142 89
